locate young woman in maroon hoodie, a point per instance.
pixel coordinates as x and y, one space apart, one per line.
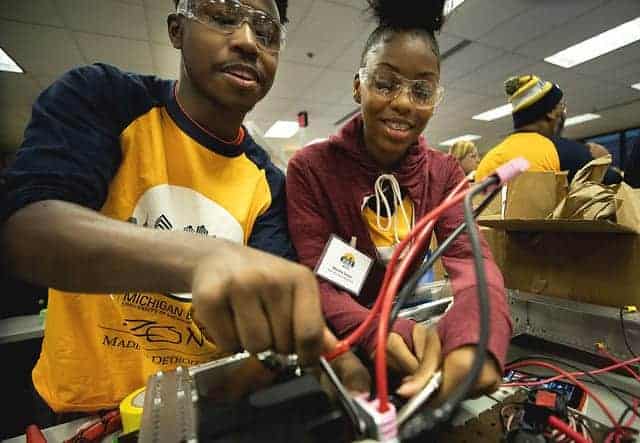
336 186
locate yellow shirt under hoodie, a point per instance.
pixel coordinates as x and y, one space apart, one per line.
120 143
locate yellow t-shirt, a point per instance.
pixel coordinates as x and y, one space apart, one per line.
537 149
168 174
384 239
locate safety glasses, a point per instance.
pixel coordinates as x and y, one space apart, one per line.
389 84
226 16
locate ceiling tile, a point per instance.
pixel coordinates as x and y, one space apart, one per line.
466 61
315 52
12 126
598 20
166 61
547 15
489 79
272 108
44 81
40 49
18 89
128 55
163 5
293 80
105 17
447 41
41 12
349 59
330 21
610 62
157 21
475 18
297 12
330 87
615 119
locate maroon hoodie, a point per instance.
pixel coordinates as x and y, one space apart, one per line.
326 184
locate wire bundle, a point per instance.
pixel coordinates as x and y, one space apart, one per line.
413 248
621 429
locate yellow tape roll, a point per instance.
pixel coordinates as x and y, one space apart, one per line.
131 411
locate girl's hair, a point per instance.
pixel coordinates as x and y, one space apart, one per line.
425 17
461 149
282 9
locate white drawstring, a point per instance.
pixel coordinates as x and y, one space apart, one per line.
397 200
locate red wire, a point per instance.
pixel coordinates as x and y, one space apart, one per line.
626 367
425 224
575 374
634 413
346 343
561 426
597 399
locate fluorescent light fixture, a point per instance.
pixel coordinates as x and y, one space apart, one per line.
462 138
450 5
582 118
7 64
636 86
283 129
494 114
601 44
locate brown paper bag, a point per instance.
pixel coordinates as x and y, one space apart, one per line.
588 198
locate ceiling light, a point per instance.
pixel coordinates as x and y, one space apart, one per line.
462 138
582 118
450 5
283 129
494 114
601 44
636 86
8 64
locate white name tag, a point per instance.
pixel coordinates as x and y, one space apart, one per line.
343 265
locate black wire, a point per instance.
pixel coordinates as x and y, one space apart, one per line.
410 286
429 418
624 334
624 414
579 369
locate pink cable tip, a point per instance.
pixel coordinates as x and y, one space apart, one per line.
512 169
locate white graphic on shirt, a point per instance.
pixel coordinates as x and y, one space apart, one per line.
173 208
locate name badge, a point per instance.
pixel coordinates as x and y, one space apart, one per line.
343 265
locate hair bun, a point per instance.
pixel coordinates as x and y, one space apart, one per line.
409 14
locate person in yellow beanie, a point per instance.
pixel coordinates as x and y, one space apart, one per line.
539 113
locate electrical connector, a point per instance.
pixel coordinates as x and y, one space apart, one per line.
381 426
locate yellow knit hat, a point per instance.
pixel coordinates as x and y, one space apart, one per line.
531 98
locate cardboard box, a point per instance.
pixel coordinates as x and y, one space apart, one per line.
530 196
528 203
579 243
597 268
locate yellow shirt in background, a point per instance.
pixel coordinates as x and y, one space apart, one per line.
537 149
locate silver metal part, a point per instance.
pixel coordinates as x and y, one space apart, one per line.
420 398
573 324
278 362
345 397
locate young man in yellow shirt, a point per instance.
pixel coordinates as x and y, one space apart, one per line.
108 155
539 113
